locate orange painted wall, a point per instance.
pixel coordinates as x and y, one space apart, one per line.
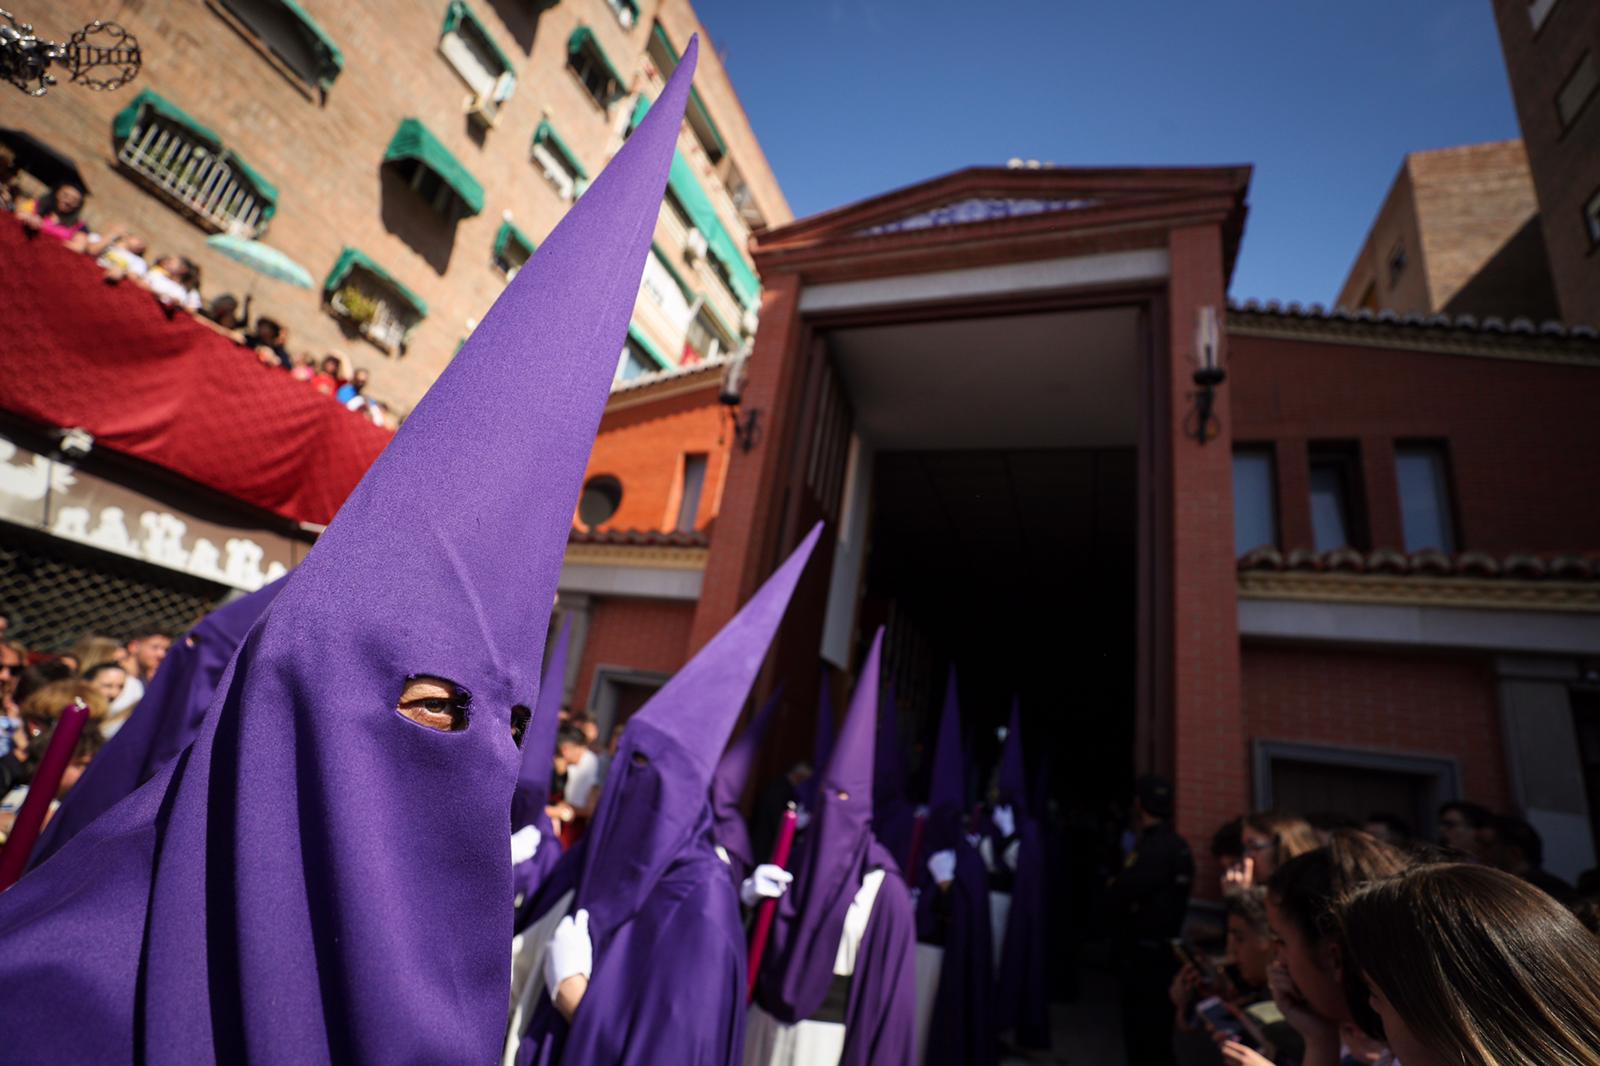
643 446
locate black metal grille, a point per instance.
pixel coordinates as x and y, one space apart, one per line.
54 592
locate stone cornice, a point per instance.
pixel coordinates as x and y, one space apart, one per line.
1417 591
637 556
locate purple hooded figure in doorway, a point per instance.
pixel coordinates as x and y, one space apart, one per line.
955 950
534 844
165 721
322 875
821 743
732 832
838 982
1015 851
666 980
893 818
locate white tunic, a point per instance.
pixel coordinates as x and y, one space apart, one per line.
769 1042
527 972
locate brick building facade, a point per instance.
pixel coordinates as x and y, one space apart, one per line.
439 140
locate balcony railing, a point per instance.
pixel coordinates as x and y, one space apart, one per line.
190 173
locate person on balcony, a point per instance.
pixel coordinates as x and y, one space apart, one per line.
57 215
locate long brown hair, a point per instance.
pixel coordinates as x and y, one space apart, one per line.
1291 834
1483 967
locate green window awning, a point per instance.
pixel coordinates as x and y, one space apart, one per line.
583 35
457 13
636 335
681 180
124 122
351 258
413 141
330 59
509 234
696 104
546 134
661 257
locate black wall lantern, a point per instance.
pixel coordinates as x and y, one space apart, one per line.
1208 375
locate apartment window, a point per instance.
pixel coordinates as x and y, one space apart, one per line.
285 31
372 302
706 338
634 362
466 45
680 214
1538 11
512 249
694 480
1425 509
1397 262
559 163
589 64
428 167
1578 88
1337 516
1591 217
1255 500
744 200
187 165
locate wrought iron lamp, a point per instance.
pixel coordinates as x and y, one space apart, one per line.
100 56
1208 375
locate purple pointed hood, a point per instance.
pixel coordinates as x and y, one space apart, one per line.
330 879
727 785
1012 781
165 721
947 790
539 742
836 854
656 800
822 740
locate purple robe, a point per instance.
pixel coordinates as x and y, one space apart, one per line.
165 721
318 878
893 817
837 853
727 788
669 964
1023 995
962 1030
538 764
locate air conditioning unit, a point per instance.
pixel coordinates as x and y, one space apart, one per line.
483 110
694 246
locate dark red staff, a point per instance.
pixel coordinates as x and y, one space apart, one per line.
25 831
769 907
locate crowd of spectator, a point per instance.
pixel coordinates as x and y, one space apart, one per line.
108 674
175 281
1356 942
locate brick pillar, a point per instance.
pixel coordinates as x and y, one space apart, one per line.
1294 494
741 537
1381 490
1209 747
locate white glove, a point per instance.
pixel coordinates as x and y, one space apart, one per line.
570 953
977 840
921 811
765 882
942 865
1012 850
524 843
1005 820
802 818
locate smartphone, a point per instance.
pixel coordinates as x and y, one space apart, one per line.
1187 952
1219 1017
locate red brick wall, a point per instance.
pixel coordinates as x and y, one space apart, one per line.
649 635
1412 702
1521 436
643 447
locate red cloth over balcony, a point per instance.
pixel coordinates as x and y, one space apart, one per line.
159 386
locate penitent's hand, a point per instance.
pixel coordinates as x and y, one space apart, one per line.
942 865
767 881
1005 820
569 962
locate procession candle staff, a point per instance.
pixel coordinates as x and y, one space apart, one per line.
46 783
166 720
769 907
837 984
322 875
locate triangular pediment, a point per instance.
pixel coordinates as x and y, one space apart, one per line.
973 209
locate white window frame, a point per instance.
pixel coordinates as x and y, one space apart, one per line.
475 63
558 170
193 174
391 330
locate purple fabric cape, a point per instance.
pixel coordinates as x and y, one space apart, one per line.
669 949
893 817
165 721
837 853
727 788
821 744
1023 995
317 878
963 1027
538 764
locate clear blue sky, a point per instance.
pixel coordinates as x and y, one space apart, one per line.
851 98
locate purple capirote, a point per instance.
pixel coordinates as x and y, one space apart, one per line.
727 786
668 982
317 878
165 722
837 853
